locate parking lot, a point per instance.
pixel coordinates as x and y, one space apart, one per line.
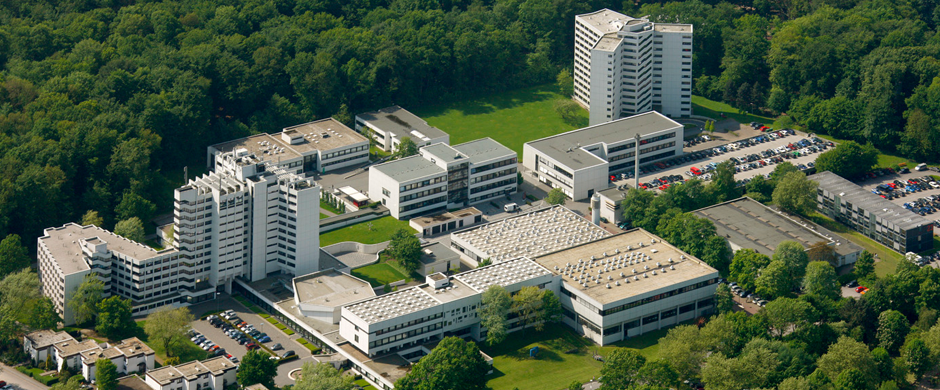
232 347
756 155
922 197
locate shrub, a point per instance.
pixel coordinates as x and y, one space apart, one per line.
303 341
271 320
288 332
265 316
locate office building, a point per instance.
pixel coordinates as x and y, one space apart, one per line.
320 146
625 66
869 214
610 289
443 177
530 234
581 161
249 217
747 223
389 125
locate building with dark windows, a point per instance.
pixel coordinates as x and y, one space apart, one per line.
443 177
390 124
869 214
580 162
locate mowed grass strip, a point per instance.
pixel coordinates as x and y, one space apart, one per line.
888 260
512 118
563 357
712 109
378 274
369 232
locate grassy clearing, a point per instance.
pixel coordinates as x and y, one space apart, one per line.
511 118
323 216
370 232
884 160
364 385
888 259
554 366
378 274
329 207
712 109
186 350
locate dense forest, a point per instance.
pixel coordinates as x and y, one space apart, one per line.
102 102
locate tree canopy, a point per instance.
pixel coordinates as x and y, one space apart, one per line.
493 312
168 327
255 367
406 248
453 365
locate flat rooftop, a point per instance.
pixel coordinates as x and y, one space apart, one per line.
749 224
503 274
864 199
392 305
44 338
670 27
402 123
605 20
164 375
64 245
324 134
456 290
132 382
435 252
438 219
633 263
331 288
483 150
529 234
409 168
608 43
71 347
566 148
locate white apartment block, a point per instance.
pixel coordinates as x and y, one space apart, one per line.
443 177
389 125
129 356
320 146
581 161
211 374
625 66
610 289
251 217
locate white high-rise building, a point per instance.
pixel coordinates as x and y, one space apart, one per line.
624 66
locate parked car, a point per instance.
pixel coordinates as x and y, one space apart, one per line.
264 339
276 347
288 353
251 346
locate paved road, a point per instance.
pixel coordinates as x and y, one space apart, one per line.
19 380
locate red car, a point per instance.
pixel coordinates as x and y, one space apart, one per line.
251 346
859 289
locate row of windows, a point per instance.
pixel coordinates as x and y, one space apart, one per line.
658 147
493 175
421 194
326 164
658 297
345 152
657 138
422 204
409 334
420 184
491 186
494 165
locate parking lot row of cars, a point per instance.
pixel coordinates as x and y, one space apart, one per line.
209 346
737 290
244 333
898 188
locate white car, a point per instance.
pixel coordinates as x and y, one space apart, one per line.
934 184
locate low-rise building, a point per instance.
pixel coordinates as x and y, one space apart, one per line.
581 161
389 125
527 234
130 356
212 374
38 344
320 295
436 257
443 177
747 223
869 214
432 225
611 202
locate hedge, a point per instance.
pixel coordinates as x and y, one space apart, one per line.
288 332
313 348
279 326
271 320
36 374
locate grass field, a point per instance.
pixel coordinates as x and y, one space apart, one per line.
511 118
329 207
364 385
887 259
554 368
323 216
712 109
371 232
378 274
186 350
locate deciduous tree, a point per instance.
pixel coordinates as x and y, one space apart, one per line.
406 147
821 280
168 326
13 255
556 196
848 159
847 353
795 193
621 369
918 357
92 218
85 299
746 266
453 365
131 229
865 265
406 248
114 317
724 301
322 376
493 311
106 375
892 329
256 368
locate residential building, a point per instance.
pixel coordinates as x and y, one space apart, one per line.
625 66
747 223
530 234
389 125
869 214
443 177
581 161
610 289
211 374
129 356
248 218
320 146
38 344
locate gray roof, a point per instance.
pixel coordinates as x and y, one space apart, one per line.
864 199
409 168
749 224
438 252
443 151
400 121
483 150
613 193
566 147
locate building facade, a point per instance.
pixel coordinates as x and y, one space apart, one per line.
250 218
211 374
625 66
610 289
580 162
443 177
869 214
389 125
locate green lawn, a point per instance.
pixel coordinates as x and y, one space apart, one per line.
365 385
323 216
884 160
370 232
888 259
186 350
554 368
511 118
712 109
378 274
